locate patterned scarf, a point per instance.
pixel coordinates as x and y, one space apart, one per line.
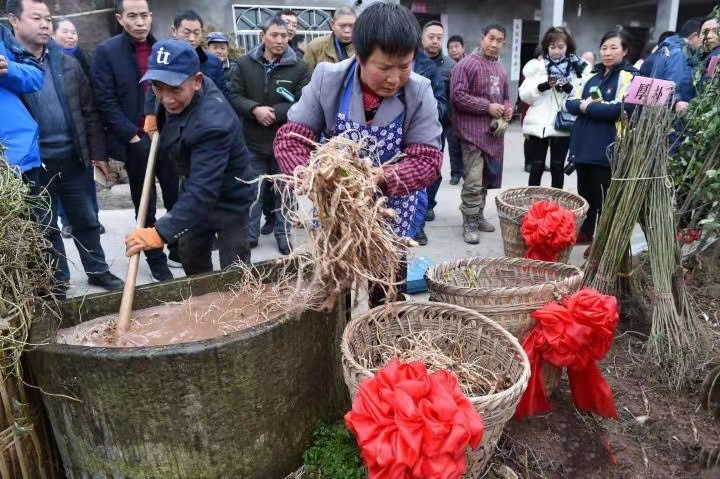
565 67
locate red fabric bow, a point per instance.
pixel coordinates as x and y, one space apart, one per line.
548 228
412 425
575 335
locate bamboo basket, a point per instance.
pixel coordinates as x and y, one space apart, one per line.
506 290
503 354
514 203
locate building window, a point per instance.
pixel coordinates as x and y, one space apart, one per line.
312 22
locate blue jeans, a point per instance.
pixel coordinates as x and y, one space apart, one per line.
267 165
66 180
93 195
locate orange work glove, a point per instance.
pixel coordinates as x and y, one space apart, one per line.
142 239
150 125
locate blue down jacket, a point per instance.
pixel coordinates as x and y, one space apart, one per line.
19 136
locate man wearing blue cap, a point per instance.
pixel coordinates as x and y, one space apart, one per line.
219 46
201 134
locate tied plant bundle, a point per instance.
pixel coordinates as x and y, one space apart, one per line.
351 238
548 229
679 340
414 425
642 192
572 334
641 142
26 279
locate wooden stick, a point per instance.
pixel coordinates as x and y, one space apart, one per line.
126 305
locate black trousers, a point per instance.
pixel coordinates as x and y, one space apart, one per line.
593 182
535 152
376 294
231 228
167 176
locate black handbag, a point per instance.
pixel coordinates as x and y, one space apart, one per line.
564 121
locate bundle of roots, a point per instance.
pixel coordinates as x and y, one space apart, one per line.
440 350
351 240
25 285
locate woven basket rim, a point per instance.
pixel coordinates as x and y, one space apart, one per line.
439 285
502 203
521 383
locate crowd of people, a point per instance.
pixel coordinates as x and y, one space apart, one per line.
220 119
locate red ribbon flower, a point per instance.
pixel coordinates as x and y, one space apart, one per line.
411 424
548 228
575 335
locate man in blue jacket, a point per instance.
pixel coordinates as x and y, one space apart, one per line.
118 65
426 67
19 74
671 61
201 134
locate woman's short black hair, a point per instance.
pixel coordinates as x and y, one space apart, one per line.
621 34
456 38
390 27
558 33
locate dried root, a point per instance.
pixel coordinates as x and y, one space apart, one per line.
351 239
441 351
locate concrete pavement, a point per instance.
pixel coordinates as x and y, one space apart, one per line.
445 233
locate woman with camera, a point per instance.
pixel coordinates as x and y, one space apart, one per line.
599 106
549 81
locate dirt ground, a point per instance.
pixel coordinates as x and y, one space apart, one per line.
660 433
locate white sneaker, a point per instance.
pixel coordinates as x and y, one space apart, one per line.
173 264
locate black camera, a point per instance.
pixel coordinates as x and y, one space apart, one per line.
570 168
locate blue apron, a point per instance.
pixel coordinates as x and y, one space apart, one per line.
410 209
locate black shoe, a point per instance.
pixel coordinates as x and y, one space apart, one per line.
527 168
253 244
105 280
66 232
454 180
421 237
268 227
284 246
102 229
430 215
161 272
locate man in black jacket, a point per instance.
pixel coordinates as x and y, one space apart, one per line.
201 134
71 139
267 83
118 65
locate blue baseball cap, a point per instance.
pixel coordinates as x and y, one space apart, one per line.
217 37
172 62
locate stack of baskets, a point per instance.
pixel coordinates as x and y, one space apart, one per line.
507 290
514 203
499 352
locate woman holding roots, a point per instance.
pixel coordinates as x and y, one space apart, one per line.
374 96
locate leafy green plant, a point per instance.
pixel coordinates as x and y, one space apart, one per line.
334 454
695 166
